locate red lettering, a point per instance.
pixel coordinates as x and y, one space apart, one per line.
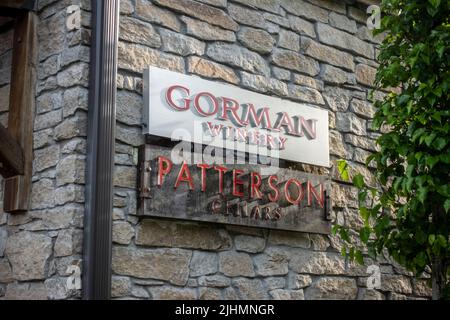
270 142
287 193
215 206
184 175
276 196
313 192
220 170
161 170
203 174
169 97
254 137
256 213
243 209
228 205
266 212
255 185
276 214
282 142
236 182
214 103
308 127
284 121
230 106
256 118
240 134
215 129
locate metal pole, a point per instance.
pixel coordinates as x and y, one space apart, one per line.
100 151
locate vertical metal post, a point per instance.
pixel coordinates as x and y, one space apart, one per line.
100 150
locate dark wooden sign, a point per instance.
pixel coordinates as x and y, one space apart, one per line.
238 194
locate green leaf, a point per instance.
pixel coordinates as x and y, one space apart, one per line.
358 181
447 205
369 159
418 155
403 98
344 234
440 50
417 134
362 195
364 234
435 3
335 229
421 259
422 194
442 240
429 139
437 116
365 214
431 100
431 161
342 167
409 183
440 143
431 239
352 253
395 138
436 248
420 237
397 182
445 158
359 257
412 162
444 190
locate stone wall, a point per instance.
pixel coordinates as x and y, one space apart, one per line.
37 247
314 51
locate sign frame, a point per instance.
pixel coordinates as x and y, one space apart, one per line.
188 205
162 120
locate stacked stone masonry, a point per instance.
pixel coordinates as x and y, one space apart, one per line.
318 52
37 247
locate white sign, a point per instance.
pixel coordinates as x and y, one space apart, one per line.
206 112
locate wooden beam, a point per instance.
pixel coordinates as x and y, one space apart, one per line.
6 21
18 4
21 108
13 8
11 155
5 27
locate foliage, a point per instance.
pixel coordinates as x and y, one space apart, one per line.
408 212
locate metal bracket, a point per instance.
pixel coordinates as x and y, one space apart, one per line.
16 194
30 5
327 207
145 170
